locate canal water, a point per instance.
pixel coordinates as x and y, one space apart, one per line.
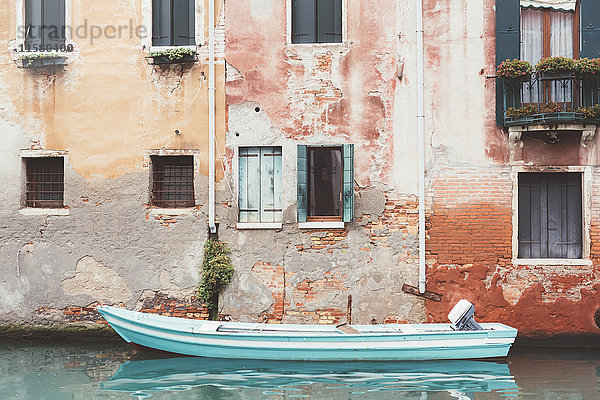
114 371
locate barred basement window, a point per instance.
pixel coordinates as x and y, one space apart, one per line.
44 24
172 181
550 215
45 182
173 22
316 21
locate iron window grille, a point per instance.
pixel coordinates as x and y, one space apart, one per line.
172 181
45 182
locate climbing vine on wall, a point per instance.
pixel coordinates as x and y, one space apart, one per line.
217 272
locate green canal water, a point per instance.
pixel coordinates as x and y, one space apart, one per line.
115 371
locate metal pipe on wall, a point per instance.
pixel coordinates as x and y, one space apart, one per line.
211 116
421 144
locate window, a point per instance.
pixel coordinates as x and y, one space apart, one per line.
316 21
172 181
325 183
173 22
550 215
45 182
260 185
45 24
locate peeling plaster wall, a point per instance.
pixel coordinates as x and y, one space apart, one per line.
107 110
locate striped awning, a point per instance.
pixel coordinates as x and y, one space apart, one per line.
565 5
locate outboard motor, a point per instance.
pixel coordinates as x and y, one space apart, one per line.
461 317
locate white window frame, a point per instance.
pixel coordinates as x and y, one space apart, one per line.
288 35
586 185
20 11
236 172
34 211
199 27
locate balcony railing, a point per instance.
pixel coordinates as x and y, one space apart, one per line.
550 99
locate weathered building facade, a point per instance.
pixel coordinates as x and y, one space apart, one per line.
317 191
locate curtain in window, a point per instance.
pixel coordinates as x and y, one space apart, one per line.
532 45
566 5
561 45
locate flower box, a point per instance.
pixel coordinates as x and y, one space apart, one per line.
556 75
161 60
41 61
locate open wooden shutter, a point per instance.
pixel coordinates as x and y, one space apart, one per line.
329 21
249 184
183 24
507 44
302 182
270 184
161 22
304 21
348 183
33 23
590 28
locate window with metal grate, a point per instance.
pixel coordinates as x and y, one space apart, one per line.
45 182
172 181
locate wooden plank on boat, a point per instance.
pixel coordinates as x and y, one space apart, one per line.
406 288
348 329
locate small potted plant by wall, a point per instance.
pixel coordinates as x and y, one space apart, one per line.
556 68
177 55
588 68
514 71
37 60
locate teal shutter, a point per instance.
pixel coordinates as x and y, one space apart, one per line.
161 22
508 41
53 23
329 21
304 21
249 184
348 183
590 28
33 23
183 26
302 182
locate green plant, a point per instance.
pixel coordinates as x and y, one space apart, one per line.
512 69
588 65
174 54
217 272
514 112
556 64
590 111
28 58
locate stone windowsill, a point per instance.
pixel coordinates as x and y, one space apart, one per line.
172 211
322 225
551 261
30 211
259 225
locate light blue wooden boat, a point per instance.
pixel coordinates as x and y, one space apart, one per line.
238 340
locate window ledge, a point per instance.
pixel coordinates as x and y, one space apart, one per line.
30 211
171 211
551 261
159 48
322 225
259 225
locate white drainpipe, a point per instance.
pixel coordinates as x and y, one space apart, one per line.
421 145
211 116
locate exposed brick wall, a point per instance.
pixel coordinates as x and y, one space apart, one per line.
184 308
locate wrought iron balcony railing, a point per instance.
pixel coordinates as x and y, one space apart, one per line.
550 99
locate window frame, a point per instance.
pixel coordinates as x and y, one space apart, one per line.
324 218
289 42
586 185
33 211
20 30
199 36
236 173
155 210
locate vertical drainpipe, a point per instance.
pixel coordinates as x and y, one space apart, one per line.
421 144
211 116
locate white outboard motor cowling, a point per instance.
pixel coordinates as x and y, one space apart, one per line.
462 318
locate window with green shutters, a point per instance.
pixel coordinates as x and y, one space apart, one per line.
316 21
325 183
260 184
173 22
44 24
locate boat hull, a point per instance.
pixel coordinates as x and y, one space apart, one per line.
317 343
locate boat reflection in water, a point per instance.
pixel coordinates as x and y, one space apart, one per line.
458 379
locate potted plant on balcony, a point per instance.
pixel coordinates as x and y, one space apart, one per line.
556 67
177 55
588 68
514 71
37 60
590 112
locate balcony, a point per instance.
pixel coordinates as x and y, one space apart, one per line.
551 99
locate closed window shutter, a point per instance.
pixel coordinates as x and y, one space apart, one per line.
53 22
161 22
270 184
33 23
249 184
507 44
348 183
183 31
304 21
329 20
302 182
590 28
